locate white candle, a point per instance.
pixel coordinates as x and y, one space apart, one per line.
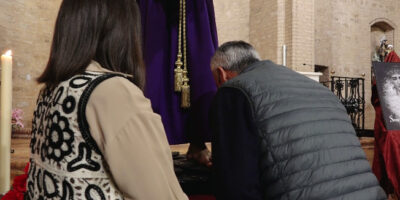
5 121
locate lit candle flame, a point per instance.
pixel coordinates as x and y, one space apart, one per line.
8 53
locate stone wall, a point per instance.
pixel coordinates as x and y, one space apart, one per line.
26 27
232 18
302 38
276 23
264 28
343 38
331 33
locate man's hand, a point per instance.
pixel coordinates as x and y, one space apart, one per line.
199 154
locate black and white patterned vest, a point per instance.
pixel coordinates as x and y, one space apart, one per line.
65 161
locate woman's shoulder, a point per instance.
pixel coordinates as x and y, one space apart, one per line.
119 85
119 90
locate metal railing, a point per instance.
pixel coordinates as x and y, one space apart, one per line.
351 92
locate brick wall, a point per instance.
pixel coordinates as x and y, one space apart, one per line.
232 18
264 28
26 27
332 33
302 38
276 23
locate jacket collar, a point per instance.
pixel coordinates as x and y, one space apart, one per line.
96 67
255 65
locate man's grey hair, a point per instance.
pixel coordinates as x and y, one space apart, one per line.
234 56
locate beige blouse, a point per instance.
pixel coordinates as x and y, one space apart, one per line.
132 139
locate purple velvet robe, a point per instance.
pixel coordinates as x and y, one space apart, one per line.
160 20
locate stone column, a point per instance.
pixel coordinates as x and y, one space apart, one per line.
300 34
275 23
264 28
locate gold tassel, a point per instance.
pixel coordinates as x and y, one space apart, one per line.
181 79
178 74
185 87
185 93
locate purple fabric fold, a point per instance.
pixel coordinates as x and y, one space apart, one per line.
160 40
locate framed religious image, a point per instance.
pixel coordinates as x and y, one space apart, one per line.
388 84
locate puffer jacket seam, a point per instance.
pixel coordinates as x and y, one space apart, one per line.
336 179
319 90
372 186
299 109
322 166
310 136
316 151
276 101
302 123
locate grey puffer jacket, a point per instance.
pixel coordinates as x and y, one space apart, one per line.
309 149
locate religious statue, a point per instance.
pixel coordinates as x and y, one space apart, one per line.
383 49
389 49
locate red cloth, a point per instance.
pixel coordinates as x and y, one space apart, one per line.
18 188
386 163
392 57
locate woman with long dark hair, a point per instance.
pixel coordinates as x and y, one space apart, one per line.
94 134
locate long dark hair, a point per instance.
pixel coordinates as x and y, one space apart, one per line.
107 31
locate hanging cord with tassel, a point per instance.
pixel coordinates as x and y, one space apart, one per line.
178 76
181 79
185 87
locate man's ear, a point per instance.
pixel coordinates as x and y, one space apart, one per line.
222 75
225 75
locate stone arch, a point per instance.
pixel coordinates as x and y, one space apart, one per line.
383 20
381 27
